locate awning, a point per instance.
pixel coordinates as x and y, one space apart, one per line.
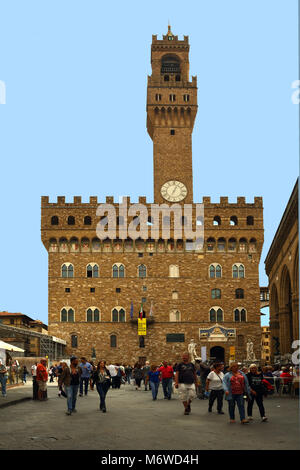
10 347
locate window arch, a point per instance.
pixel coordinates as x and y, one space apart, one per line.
238 271
240 314
170 63
173 270
210 243
175 316
118 314
174 295
217 220
113 341
216 293
54 220
67 314
92 270
233 220
71 220
252 245
85 245
221 245
93 314
215 271
232 244
216 315
53 245
67 270
74 245
239 293
142 271
118 270
250 220
243 245
87 220
63 245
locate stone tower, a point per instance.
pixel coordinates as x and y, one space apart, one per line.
171 112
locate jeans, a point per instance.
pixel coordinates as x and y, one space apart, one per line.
3 380
238 399
86 385
128 378
216 394
167 387
102 390
72 391
259 400
35 388
154 389
24 378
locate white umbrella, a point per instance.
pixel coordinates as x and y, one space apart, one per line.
10 347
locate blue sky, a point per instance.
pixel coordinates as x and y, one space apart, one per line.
74 122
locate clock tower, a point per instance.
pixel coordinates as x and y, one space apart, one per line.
171 111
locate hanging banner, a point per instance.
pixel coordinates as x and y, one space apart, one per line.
142 326
232 353
203 353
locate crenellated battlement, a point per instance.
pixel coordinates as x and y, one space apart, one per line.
93 202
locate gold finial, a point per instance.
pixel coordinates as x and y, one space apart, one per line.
169 33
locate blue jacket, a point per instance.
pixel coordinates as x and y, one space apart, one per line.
227 384
86 370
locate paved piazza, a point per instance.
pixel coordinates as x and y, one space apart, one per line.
134 421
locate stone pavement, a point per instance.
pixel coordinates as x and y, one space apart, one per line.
133 421
16 394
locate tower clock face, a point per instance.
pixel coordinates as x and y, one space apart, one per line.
173 191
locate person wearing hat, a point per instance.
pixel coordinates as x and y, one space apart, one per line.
70 378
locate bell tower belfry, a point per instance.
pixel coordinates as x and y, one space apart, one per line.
171 111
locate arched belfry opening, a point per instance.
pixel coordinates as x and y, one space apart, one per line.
170 63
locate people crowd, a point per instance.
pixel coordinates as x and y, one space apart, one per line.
240 386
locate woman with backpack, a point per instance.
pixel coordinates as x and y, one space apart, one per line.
138 375
257 390
103 382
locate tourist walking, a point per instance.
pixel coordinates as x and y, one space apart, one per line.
153 377
214 385
3 378
257 390
70 378
113 370
42 378
128 373
35 387
146 369
167 375
138 375
24 374
86 369
93 376
103 382
60 368
235 384
185 381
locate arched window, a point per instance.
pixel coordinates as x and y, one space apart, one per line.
212 315
74 341
221 244
118 270
238 271
212 271
175 315
113 341
216 293
118 315
239 293
96 244
54 220
92 270
215 271
67 270
232 244
71 220
142 270
93 314
211 244
217 220
219 315
174 295
87 220
53 245
252 245
67 315
74 245
85 245
243 245
173 270
240 315
250 220
218 271
63 245
170 63
233 220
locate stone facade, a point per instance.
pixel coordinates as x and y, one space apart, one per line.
265 345
282 268
178 281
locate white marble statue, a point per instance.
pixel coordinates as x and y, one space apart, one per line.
192 350
250 352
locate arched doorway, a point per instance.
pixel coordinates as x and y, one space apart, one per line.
217 353
286 305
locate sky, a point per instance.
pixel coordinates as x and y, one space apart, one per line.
74 121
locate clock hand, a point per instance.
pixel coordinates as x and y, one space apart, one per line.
175 187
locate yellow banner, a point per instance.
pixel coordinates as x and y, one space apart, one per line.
142 326
232 353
